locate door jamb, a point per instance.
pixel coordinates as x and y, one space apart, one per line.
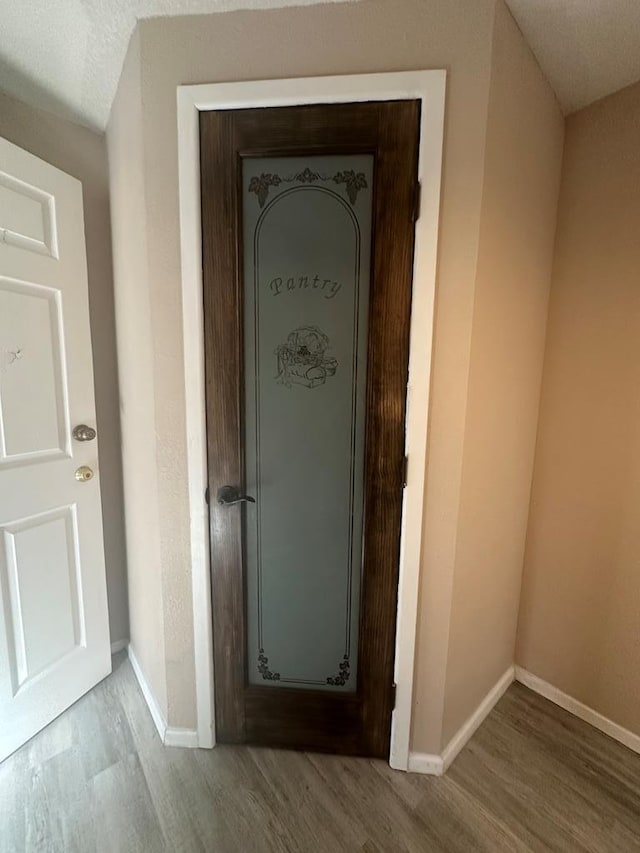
429 88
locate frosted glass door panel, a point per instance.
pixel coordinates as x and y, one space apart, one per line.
307 250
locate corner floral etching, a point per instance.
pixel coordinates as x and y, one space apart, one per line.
263 668
353 183
343 676
260 186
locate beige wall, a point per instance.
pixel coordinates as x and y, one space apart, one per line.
135 354
580 612
519 201
375 35
372 36
82 153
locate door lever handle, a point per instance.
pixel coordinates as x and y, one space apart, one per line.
228 496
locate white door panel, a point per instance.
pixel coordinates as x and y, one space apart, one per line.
54 636
31 322
28 214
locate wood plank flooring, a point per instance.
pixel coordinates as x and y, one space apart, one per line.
98 779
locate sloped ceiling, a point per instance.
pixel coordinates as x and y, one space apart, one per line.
66 55
586 48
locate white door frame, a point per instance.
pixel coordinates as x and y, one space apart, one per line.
429 88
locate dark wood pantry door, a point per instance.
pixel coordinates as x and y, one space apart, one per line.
308 231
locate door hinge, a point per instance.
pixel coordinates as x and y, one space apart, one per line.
417 203
405 465
206 496
394 687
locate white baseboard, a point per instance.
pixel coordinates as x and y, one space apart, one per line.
154 709
186 738
598 721
468 729
169 735
118 646
437 765
426 763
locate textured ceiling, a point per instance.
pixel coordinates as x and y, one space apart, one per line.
65 56
587 48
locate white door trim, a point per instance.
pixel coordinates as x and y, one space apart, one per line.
429 88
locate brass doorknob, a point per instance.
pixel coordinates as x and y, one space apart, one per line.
84 473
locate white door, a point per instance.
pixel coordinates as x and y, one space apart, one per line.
54 634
